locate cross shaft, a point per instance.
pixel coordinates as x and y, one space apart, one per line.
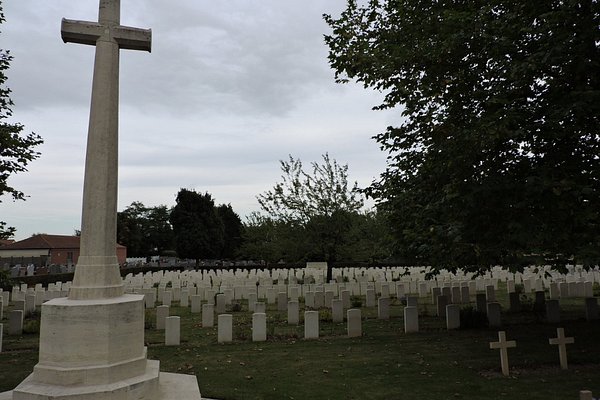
97 273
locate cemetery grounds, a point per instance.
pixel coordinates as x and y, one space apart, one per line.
385 363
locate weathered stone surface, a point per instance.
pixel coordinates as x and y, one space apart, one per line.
311 325
452 316
172 331
354 322
411 319
225 328
259 327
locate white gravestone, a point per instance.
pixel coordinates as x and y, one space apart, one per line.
435 292
221 303
172 331
150 299
411 319
311 325
585 395
490 293
370 298
319 299
208 315
442 302
337 310
345 296
383 308
252 302
329 296
259 327
210 296
162 312
185 298
309 299
465 294
503 345
282 301
15 322
225 328
271 295
196 304
562 342
293 313
494 314
167 298
456 295
452 316
354 322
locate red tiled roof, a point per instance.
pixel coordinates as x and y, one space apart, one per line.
44 241
5 241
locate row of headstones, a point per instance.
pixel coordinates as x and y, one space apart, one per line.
171 324
311 326
411 317
531 280
33 297
365 274
485 302
460 290
25 300
315 295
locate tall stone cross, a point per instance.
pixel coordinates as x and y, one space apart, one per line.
97 273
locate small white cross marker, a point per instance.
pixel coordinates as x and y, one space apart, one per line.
503 345
562 343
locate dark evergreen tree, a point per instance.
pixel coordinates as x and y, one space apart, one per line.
232 231
199 232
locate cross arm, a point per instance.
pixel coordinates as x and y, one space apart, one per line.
84 32
133 38
80 32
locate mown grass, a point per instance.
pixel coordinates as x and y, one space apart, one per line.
385 363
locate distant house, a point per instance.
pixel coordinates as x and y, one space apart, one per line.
46 250
5 242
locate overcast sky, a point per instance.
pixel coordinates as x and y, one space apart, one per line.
230 88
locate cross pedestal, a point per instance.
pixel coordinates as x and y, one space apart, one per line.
562 343
92 343
503 345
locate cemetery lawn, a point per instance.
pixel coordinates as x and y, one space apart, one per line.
385 363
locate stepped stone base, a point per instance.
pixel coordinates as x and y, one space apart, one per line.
170 387
94 350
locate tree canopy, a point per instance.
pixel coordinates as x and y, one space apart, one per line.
497 158
301 194
199 231
16 148
311 215
145 230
